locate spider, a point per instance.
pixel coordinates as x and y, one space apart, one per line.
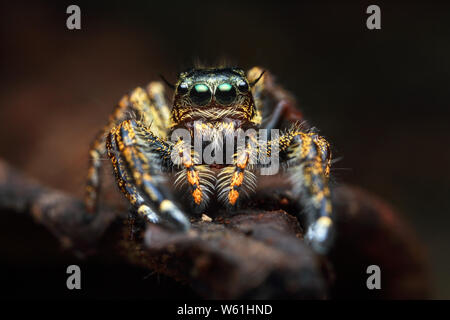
215 103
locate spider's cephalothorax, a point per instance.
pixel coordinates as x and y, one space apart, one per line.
213 95
147 140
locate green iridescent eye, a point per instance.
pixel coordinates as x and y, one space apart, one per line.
225 93
225 87
201 88
200 94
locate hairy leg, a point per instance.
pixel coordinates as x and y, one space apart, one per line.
137 154
237 180
149 106
308 158
197 178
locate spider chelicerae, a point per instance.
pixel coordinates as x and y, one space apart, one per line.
147 139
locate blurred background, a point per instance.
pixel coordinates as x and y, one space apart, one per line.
381 97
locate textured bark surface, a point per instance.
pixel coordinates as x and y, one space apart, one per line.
252 253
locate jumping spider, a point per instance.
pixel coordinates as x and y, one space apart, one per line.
213 102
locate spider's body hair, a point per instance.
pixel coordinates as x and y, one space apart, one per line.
223 186
207 184
211 114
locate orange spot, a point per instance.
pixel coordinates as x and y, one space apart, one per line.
197 195
237 179
193 178
233 196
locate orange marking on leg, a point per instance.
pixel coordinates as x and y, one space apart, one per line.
237 179
197 195
194 180
192 177
233 196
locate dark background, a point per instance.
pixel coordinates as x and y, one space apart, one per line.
381 97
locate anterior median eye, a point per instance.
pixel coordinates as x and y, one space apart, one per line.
225 93
225 87
200 94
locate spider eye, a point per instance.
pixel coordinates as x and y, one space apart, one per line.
225 93
200 94
243 86
182 88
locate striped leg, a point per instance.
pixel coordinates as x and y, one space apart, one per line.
197 178
308 155
148 106
97 153
309 160
136 154
237 179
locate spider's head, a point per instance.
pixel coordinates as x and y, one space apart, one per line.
212 95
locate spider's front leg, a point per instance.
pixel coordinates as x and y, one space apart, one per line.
198 178
237 180
309 158
137 155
